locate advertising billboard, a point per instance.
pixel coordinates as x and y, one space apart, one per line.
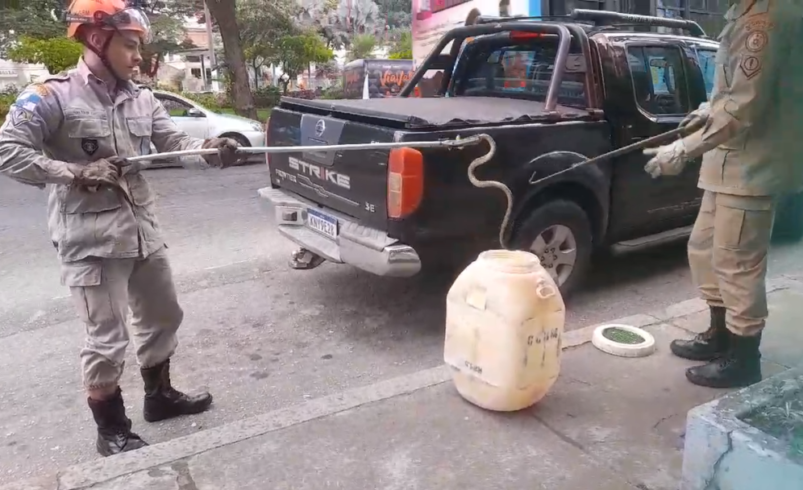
433 18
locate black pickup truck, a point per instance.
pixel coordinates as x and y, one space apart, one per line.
550 93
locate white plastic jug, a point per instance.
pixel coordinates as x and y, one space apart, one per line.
504 322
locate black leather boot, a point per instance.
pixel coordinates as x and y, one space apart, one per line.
708 345
162 401
739 367
114 428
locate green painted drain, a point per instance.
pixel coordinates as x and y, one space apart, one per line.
621 336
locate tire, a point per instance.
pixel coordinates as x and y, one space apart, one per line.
543 222
788 227
242 140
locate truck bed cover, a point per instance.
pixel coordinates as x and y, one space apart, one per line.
422 113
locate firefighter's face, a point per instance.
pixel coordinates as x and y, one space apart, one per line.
124 54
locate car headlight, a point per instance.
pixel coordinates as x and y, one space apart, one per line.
256 126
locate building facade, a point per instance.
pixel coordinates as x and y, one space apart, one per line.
433 18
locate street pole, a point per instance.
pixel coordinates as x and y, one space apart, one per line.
210 40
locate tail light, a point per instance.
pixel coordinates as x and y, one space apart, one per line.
405 182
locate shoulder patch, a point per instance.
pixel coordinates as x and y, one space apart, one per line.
39 89
31 97
20 116
750 66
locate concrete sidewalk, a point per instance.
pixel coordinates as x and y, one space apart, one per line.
608 424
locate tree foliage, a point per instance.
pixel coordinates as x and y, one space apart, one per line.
402 48
168 32
263 23
338 21
29 18
298 51
57 54
362 47
225 14
398 13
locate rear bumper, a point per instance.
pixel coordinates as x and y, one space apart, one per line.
365 248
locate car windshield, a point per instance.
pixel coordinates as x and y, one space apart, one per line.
507 65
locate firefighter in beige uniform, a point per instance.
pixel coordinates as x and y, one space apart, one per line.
73 133
752 148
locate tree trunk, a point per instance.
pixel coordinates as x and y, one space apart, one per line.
257 73
224 12
155 67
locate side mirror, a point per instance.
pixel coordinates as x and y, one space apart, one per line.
195 113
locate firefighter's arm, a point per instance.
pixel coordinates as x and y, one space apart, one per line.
166 136
747 77
30 122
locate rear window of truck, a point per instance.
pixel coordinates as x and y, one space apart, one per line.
503 67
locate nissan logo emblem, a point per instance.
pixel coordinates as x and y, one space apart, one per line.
320 127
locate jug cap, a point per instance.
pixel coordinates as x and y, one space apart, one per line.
512 261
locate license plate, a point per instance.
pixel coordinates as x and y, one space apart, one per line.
322 223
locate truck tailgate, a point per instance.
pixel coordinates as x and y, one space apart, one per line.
352 182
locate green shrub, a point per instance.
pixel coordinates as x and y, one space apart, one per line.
267 97
7 97
332 93
211 101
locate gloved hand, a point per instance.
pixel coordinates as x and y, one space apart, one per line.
102 171
226 155
124 166
697 117
669 159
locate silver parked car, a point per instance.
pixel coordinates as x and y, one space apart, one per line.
200 122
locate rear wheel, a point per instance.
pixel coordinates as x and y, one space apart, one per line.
559 234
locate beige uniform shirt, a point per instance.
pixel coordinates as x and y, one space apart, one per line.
753 141
73 118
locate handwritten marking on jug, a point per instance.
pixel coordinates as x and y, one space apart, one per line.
538 339
477 298
543 336
473 367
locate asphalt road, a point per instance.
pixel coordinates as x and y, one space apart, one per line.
258 335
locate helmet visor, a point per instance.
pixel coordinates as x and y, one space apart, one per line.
134 20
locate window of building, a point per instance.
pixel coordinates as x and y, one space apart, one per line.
659 80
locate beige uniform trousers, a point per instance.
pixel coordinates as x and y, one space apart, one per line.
103 290
728 257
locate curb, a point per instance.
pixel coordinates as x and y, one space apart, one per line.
103 470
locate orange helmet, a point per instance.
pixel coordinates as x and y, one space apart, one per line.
107 14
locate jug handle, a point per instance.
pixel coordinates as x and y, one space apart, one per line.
545 291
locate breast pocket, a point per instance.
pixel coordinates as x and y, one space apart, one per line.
140 129
91 135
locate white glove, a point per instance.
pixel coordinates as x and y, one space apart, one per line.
669 159
697 117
